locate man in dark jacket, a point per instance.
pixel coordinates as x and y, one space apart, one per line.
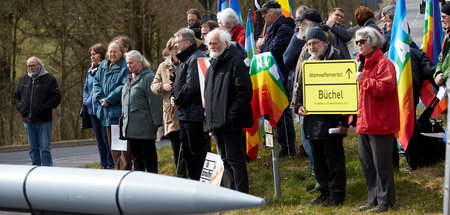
36 95
327 149
341 34
228 96
187 97
279 33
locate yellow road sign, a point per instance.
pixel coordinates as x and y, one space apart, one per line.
330 87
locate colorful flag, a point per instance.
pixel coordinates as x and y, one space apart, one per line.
286 7
269 97
399 54
221 5
432 44
234 4
250 45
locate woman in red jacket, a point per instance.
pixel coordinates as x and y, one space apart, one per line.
378 119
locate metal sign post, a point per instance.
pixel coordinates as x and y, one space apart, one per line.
271 141
447 164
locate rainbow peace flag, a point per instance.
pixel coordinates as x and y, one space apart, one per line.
234 4
399 54
221 5
286 7
432 44
269 97
250 45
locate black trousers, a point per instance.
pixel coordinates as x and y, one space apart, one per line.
194 149
180 164
232 151
144 155
329 165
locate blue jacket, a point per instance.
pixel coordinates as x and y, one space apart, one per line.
341 37
91 104
290 58
279 36
108 83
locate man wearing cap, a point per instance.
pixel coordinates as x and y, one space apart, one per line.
327 149
276 40
443 66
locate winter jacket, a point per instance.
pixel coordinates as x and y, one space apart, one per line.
228 93
341 36
316 125
443 66
108 83
290 58
88 94
378 110
238 34
35 98
279 36
165 71
142 109
186 89
422 70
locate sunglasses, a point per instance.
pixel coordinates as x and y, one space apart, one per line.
360 42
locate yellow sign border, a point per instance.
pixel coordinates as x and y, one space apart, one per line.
305 79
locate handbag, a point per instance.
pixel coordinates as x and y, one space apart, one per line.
85 118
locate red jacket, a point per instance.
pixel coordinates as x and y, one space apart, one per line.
238 35
378 109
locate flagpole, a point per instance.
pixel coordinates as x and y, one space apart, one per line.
447 164
276 167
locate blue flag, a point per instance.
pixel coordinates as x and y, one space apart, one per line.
234 4
250 45
221 5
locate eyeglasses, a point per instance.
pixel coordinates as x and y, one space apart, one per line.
31 66
313 43
360 42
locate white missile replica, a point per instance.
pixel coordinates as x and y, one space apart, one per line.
90 191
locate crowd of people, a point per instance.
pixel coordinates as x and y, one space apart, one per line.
120 88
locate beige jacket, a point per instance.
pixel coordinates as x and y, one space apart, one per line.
165 70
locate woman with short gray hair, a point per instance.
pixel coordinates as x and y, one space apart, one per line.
378 119
142 113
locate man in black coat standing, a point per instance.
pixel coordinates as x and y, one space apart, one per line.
228 96
36 95
187 98
279 33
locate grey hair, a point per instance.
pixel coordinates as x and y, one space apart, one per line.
224 36
38 60
139 58
276 10
228 15
186 34
309 24
300 10
374 38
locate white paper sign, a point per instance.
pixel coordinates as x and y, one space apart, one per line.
116 143
269 140
212 169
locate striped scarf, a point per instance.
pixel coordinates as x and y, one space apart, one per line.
94 68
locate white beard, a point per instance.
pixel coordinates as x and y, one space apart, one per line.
214 53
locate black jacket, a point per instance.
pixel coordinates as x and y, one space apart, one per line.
228 93
186 88
35 99
422 69
316 125
279 36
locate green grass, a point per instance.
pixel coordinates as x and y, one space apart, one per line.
419 192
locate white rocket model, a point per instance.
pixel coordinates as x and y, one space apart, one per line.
90 191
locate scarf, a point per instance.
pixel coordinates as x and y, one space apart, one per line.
94 68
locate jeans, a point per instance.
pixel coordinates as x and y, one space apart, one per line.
106 160
39 138
307 146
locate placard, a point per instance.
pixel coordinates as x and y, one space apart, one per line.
116 143
212 171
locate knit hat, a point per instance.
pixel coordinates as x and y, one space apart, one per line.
388 9
317 33
446 8
312 15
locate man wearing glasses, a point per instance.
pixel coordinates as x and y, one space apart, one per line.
341 34
36 95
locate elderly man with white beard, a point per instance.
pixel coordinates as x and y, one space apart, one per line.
228 95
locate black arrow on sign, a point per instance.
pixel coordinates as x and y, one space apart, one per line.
349 72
